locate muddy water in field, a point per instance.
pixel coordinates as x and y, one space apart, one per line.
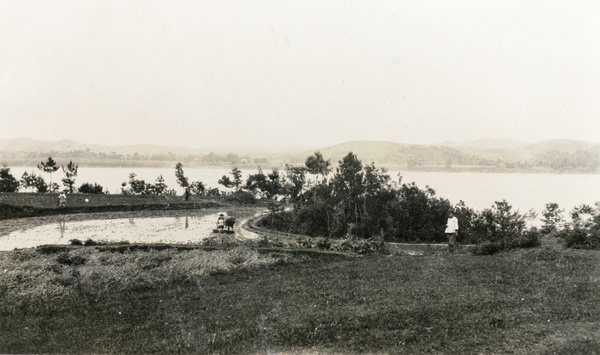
132 227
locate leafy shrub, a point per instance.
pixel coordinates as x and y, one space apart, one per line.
372 245
583 232
553 219
304 244
241 197
324 244
75 242
90 242
579 238
8 183
88 188
66 259
528 239
210 241
264 242
213 192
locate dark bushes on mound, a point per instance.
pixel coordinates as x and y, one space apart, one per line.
528 239
579 238
241 197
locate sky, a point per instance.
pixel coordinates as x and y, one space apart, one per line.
299 74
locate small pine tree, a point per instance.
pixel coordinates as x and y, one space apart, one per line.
182 180
49 167
160 187
70 174
8 183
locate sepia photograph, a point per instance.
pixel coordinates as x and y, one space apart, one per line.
300 177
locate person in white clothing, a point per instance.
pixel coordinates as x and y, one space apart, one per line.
451 231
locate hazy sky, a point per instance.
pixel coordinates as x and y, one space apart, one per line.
304 73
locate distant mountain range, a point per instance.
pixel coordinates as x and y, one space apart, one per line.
482 152
472 155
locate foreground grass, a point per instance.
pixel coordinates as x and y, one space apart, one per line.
242 301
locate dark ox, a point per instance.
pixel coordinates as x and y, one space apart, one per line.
229 222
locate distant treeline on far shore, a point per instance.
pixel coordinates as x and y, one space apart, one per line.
557 163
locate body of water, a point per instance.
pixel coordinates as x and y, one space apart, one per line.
477 190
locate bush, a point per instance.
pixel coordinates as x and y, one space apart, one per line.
373 245
264 242
304 244
76 242
8 183
90 242
486 248
88 188
579 238
241 197
324 244
66 259
528 239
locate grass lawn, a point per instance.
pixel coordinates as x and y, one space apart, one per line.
542 300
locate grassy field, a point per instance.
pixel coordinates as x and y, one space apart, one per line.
248 301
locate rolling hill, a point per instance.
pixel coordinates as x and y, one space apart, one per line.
475 155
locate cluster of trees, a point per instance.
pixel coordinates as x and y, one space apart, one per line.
141 187
364 202
8 183
581 231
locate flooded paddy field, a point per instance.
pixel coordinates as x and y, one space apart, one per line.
176 227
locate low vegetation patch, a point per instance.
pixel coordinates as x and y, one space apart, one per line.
242 300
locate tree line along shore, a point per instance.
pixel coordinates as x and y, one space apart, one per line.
354 201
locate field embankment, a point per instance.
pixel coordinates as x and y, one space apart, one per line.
18 205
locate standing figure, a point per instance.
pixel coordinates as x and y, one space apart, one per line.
451 231
62 199
220 222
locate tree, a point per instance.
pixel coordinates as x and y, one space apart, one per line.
159 186
49 167
34 181
40 184
8 183
226 181
181 179
237 177
295 178
136 187
229 183
317 165
499 224
348 187
257 181
553 219
28 181
70 174
274 183
197 188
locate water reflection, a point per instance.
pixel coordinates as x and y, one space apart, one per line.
134 230
62 226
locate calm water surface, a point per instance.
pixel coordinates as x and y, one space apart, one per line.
477 190
171 230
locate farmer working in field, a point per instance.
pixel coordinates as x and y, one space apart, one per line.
62 199
221 222
451 231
